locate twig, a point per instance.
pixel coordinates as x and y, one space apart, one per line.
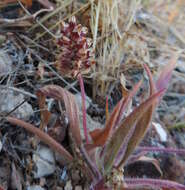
16 107
156 183
13 21
27 39
49 67
26 17
66 3
43 137
54 26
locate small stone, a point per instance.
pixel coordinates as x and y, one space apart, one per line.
160 131
5 63
2 39
78 98
35 187
44 161
9 100
68 186
42 181
78 187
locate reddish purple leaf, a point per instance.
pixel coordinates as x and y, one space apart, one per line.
133 183
164 150
100 136
141 126
151 81
114 145
61 94
166 73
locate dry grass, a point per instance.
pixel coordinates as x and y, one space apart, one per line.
126 34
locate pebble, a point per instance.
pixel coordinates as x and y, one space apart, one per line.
35 187
160 131
68 185
5 63
78 98
44 161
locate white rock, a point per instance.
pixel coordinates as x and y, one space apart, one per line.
5 63
35 187
10 100
78 98
181 65
160 131
44 161
91 124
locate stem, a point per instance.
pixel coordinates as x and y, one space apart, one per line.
155 183
80 79
43 137
158 149
92 166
